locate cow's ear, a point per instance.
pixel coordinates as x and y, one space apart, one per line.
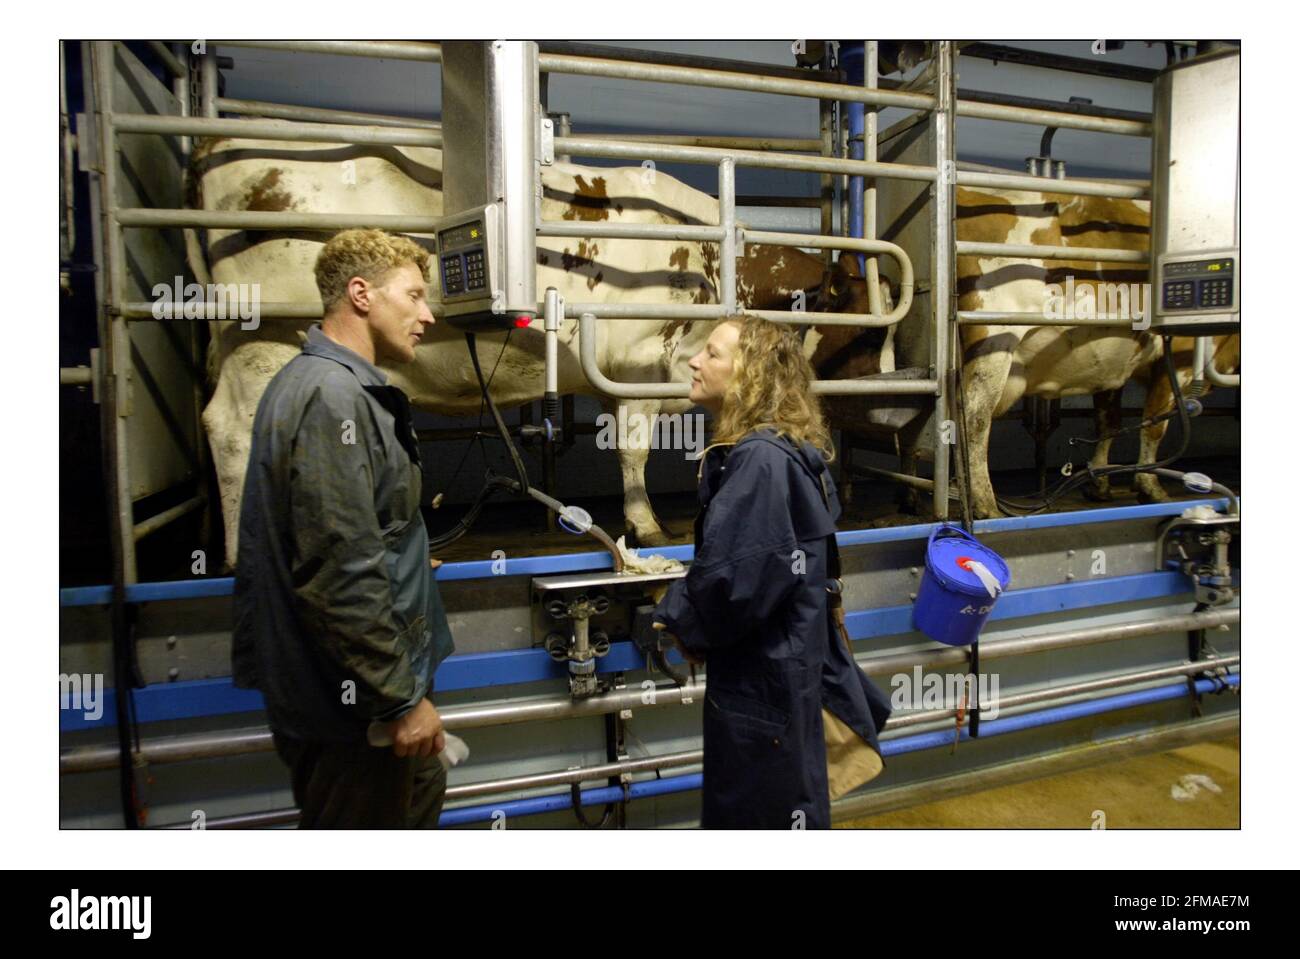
848 263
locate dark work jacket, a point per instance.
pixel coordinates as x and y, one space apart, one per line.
337 619
754 601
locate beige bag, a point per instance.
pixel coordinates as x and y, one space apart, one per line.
850 760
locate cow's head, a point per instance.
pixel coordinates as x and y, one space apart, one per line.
844 352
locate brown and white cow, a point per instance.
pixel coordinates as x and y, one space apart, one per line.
1002 364
330 178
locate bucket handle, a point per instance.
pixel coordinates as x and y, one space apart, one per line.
948 529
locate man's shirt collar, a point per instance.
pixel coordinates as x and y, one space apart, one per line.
318 344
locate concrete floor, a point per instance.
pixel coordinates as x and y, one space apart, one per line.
1173 790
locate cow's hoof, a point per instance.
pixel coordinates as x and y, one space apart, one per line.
1098 492
1152 493
637 540
909 504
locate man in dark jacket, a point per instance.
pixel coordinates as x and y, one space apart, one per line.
754 603
337 617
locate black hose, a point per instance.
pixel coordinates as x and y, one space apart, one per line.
520 469
1088 473
661 663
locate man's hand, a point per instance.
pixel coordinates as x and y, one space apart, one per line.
687 655
419 732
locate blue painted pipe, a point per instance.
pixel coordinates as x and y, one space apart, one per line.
1062 714
595 562
561 801
894 747
853 63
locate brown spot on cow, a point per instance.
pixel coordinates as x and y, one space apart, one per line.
680 258
769 275
594 281
543 259
266 195
590 201
573 261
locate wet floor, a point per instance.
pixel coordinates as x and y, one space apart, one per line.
1193 787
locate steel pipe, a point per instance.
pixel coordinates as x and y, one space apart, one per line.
1051 252
906 280
550 708
905 719
286 111
727 222
285 130
893 747
385 49
155 523
1013 181
75 376
1000 318
630 231
169 59
780 144
1203 363
1051 118
246 220
602 383
1018 643
727 80
566 777
618 149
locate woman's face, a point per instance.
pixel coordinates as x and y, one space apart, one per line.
712 367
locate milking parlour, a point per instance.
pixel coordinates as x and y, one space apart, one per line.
627 436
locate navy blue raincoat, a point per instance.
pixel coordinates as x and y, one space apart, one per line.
754 602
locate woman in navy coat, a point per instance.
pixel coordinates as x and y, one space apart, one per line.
754 603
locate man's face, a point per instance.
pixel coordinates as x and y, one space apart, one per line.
712 367
399 314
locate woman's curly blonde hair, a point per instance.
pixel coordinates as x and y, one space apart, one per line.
369 254
771 387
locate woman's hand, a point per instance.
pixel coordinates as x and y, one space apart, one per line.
690 657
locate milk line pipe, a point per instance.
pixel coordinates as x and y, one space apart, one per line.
457 718
660 786
906 718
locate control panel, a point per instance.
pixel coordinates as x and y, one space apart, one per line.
1204 284
469 267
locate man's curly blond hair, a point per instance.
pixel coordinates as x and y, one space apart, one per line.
771 387
369 254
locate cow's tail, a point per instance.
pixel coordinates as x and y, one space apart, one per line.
196 257
194 254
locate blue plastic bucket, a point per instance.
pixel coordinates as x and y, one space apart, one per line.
954 600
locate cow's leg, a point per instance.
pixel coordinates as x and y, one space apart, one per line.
1108 415
984 379
907 496
1160 400
228 419
643 525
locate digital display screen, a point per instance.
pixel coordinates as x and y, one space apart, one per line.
467 234
1195 267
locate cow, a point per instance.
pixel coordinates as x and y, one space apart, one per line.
257 175
1002 364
